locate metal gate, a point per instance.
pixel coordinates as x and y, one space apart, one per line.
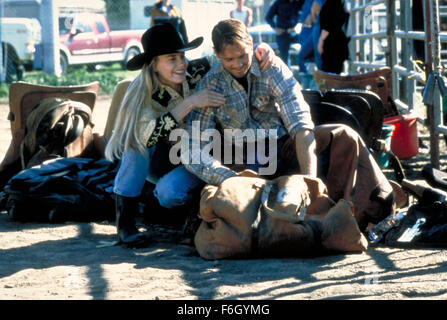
384 33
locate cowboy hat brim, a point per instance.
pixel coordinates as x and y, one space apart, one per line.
139 60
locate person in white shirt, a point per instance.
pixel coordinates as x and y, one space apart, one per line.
242 13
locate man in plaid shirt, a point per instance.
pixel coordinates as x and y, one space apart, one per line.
255 99
271 102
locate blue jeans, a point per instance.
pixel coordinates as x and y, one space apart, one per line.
284 41
174 185
304 34
307 48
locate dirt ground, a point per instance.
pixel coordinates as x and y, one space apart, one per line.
76 261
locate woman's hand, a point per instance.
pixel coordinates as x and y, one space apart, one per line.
206 98
200 99
264 53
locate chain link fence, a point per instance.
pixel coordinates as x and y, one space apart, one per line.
413 40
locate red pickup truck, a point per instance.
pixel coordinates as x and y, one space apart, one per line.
86 39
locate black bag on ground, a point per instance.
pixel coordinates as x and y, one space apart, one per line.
435 177
63 189
425 225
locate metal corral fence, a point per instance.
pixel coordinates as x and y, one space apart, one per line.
405 35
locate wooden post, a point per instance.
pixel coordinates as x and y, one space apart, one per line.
49 15
431 47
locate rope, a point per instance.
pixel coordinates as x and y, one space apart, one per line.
434 80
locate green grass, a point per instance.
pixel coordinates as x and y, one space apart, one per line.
108 77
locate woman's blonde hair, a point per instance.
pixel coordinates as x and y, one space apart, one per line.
125 134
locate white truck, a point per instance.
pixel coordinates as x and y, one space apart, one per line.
19 37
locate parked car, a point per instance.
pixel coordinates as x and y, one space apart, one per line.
19 37
86 39
265 33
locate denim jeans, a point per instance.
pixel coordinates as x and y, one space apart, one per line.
174 185
284 41
307 49
304 34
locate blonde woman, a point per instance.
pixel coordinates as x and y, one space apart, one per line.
156 102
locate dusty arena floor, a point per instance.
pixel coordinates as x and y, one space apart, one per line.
76 261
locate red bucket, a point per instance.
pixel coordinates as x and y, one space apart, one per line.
404 141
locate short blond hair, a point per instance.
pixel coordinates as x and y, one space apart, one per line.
230 32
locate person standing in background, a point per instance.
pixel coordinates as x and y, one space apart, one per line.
316 30
309 46
287 14
306 53
165 9
333 42
242 13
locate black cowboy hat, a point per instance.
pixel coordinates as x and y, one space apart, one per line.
158 40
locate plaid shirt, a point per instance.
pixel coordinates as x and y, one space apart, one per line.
274 101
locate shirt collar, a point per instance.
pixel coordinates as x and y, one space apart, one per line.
164 94
174 94
254 69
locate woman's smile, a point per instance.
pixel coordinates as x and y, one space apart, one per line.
171 69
